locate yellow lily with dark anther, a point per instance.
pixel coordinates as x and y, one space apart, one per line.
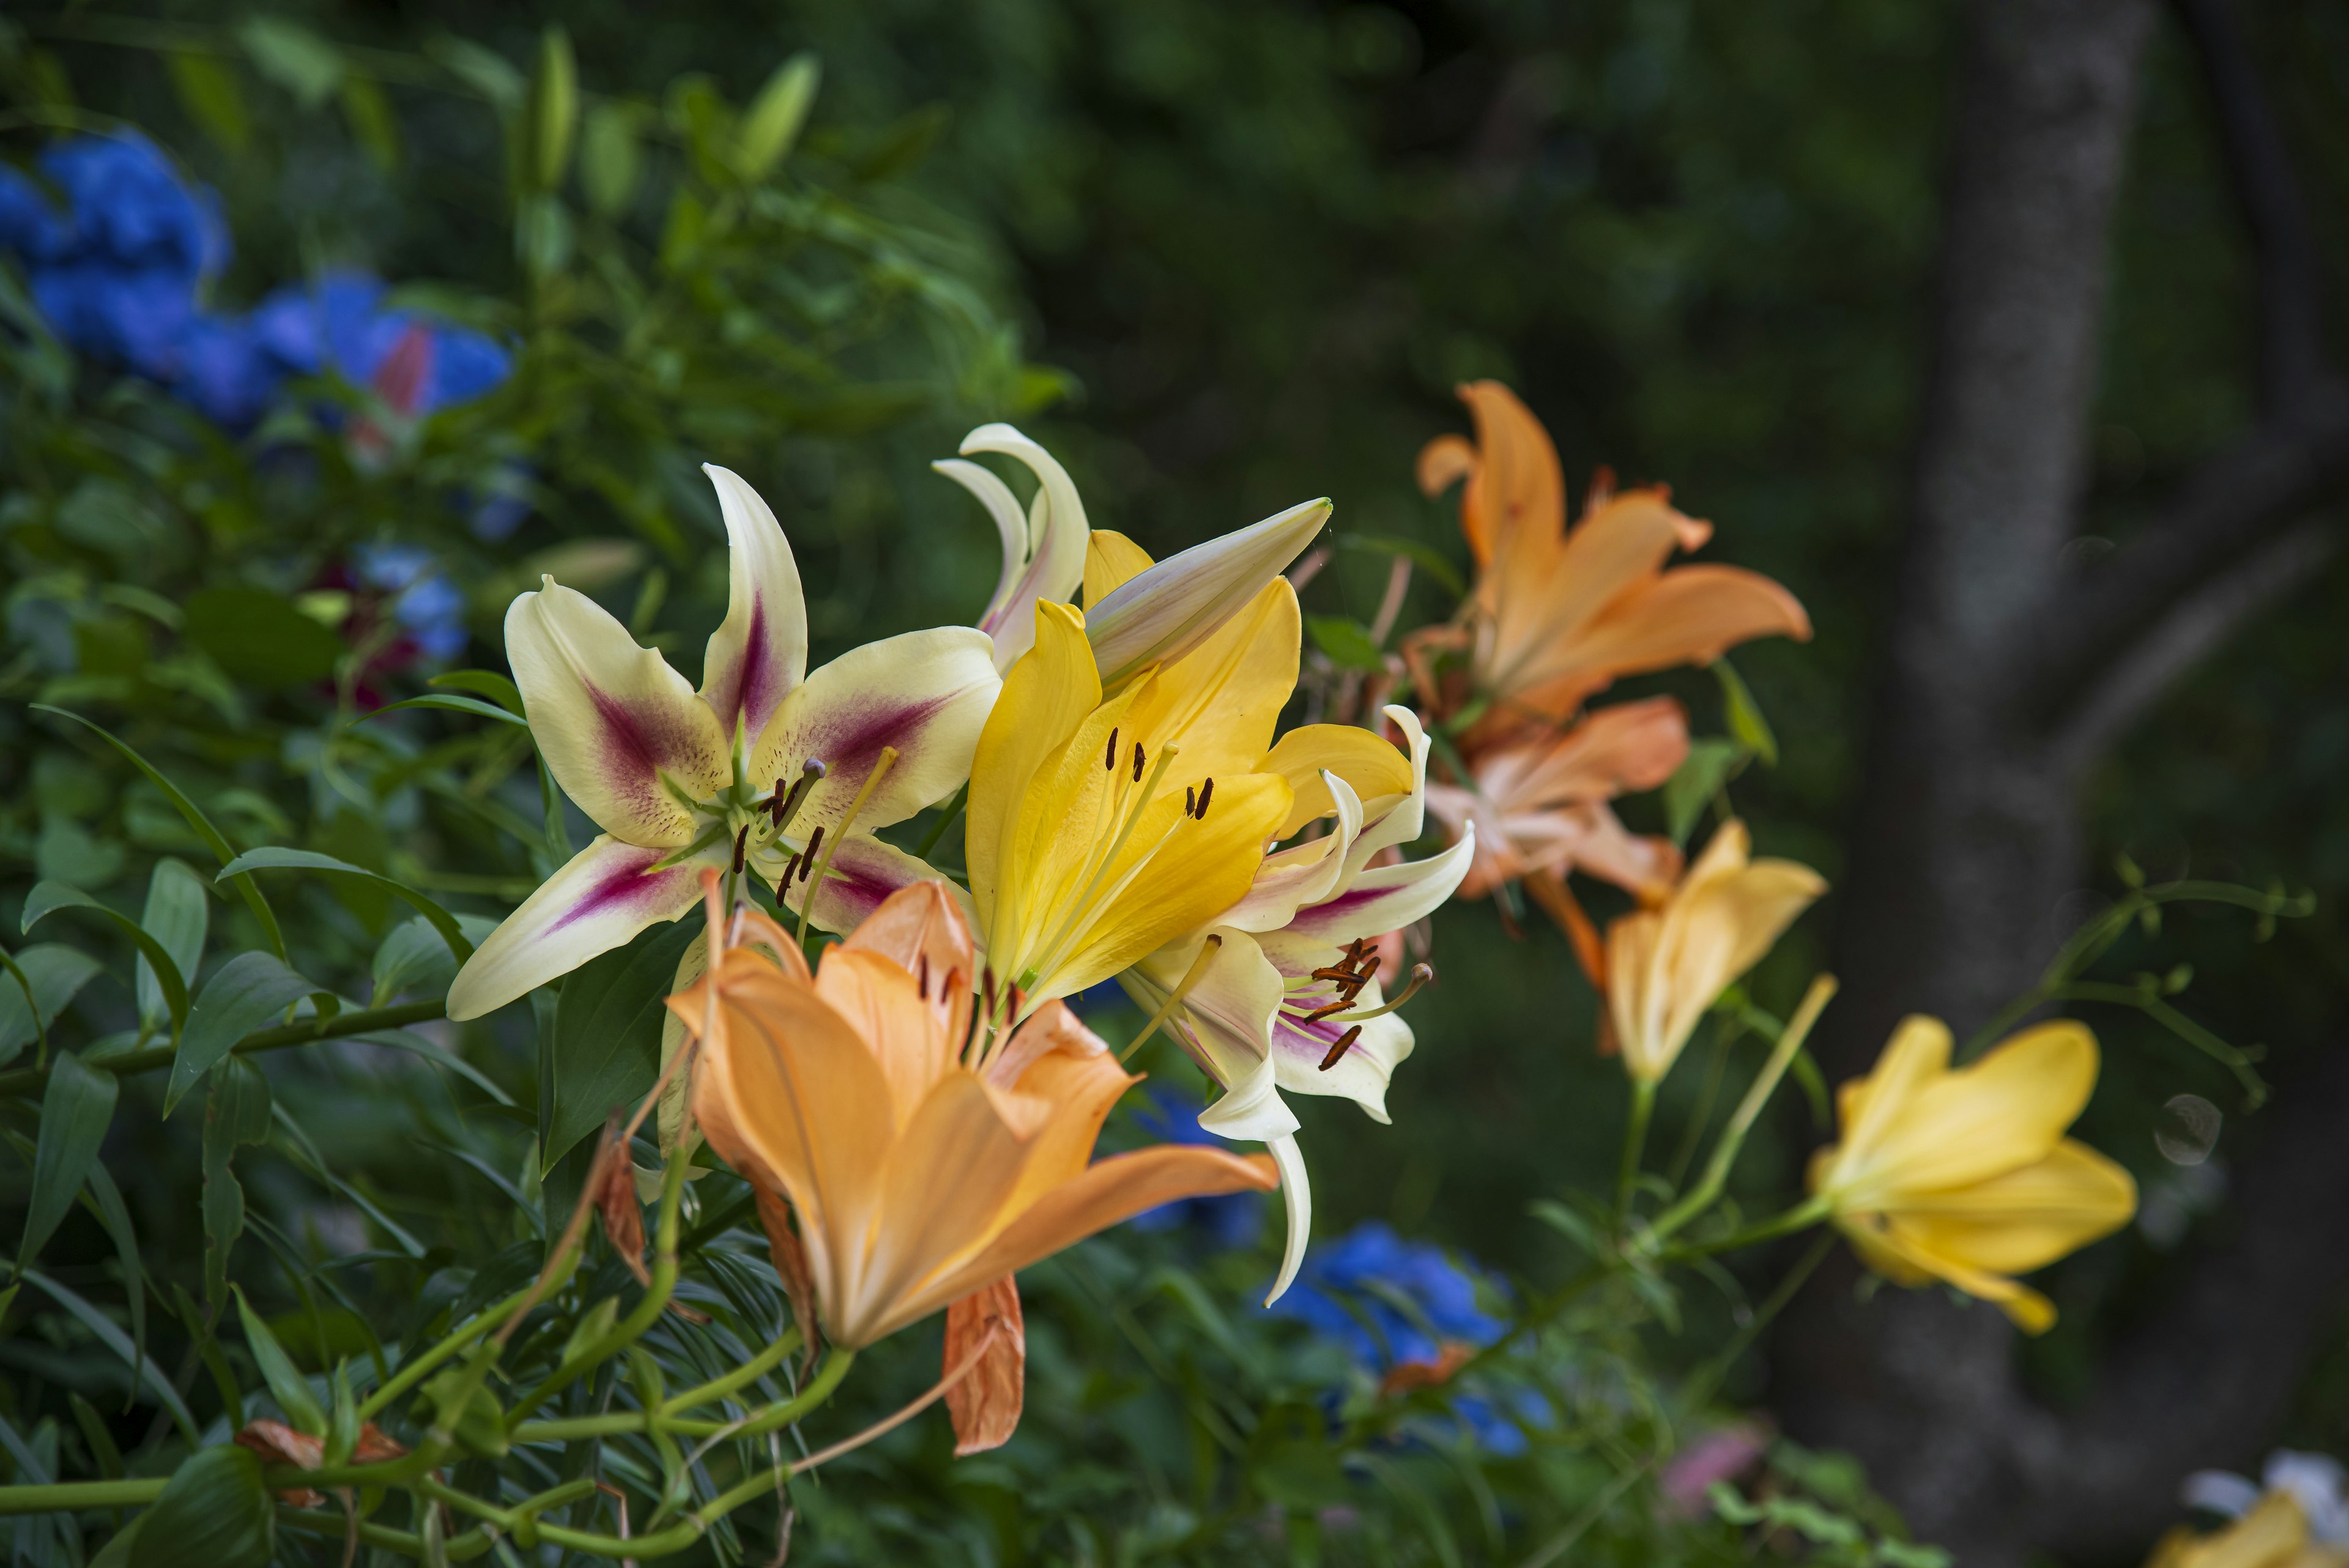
1964 1174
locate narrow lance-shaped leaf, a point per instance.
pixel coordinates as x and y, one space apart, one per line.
115 1215
606 1042
47 898
177 915
236 1112
275 858
215 1513
286 1385
109 1333
76 1107
40 981
244 993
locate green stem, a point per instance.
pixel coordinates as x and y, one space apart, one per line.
1809 1212
308 1032
63 1497
407 1543
750 1371
412 1372
781 1414
1635 1142
1732 1137
938 829
1707 1378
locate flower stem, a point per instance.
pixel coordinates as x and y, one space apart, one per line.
1635 1142
945 820
823 867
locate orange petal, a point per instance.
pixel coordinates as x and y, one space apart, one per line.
985 1404
1692 615
906 1030
1516 494
922 930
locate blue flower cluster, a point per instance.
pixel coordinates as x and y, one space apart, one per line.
429 608
1228 1220
1356 1290
121 270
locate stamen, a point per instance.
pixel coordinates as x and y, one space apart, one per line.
1207 793
1198 971
1109 758
1368 970
1341 974
741 839
789 807
881 765
1137 762
1345 1044
790 866
775 806
807 859
922 976
1190 800
1318 1013
1420 974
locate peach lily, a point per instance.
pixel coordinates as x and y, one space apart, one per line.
1963 1174
925 1160
728 775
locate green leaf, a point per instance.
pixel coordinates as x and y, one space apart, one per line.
286 1385
108 1333
243 995
41 981
486 72
554 108
115 1215
213 1514
260 640
1346 640
101 1443
196 820
460 704
212 97
593 1324
611 161
480 1424
292 57
1746 724
482 683
47 898
604 1048
178 913
77 1106
773 122
116 1553
343 1426
1696 782
369 114
414 957
276 858
236 1111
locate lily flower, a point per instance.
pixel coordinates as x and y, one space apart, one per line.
1144 614
926 1160
1282 992
1539 801
1100 826
2274 1532
1666 965
748 770
1557 615
1963 1174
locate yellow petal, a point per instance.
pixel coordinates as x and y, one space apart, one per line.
1046 695
612 719
2031 1311
2026 1219
1218 703
1111 561
1956 1129
1369 763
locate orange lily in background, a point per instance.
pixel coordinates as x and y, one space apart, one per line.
1964 1174
1557 615
927 1154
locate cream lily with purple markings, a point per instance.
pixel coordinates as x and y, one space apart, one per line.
1281 994
750 771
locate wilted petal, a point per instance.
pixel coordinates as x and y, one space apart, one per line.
611 718
759 651
927 693
985 1405
1177 604
608 892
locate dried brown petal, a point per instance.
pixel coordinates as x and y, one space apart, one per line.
279 1444
791 1265
985 1404
615 1199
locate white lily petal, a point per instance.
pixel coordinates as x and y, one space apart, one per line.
759 651
1397 819
1387 897
1010 527
608 893
1297 1196
1053 564
611 718
1225 1022
1362 1074
1163 614
1306 874
864 872
927 693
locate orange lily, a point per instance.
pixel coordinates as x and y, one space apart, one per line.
927 1154
1557 615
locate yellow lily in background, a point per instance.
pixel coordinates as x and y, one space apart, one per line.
1099 828
925 1163
1667 964
1281 992
748 770
1964 1175
1147 614
2273 1534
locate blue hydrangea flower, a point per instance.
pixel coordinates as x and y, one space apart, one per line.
1228 1220
339 322
429 608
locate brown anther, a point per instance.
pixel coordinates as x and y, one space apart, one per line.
1341 974
1190 800
1369 969
1345 1044
922 976
776 804
1323 1012
1137 762
1207 793
807 855
1109 758
790 866
741 837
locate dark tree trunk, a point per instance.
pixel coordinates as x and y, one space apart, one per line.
2007 670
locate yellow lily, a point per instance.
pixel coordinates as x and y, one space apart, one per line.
1964 1175
924 1162
1667 964
748 770
1099 828
2273 1533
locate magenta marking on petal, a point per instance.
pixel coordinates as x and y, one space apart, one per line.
1293 1034
640 740
850 738
630 881
746 692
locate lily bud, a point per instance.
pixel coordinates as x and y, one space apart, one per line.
1163 614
